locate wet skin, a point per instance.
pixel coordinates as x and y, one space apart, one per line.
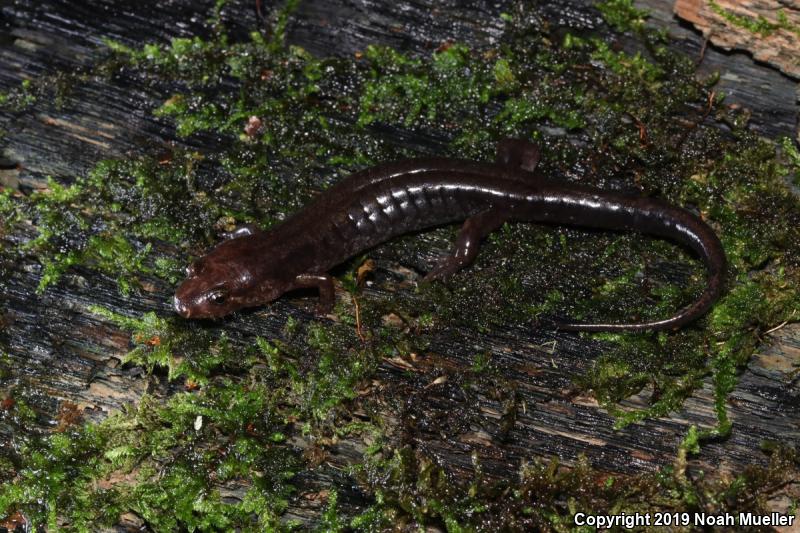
254 267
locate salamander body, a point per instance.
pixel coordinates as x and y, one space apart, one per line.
255 267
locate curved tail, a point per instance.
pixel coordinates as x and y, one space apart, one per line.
677 224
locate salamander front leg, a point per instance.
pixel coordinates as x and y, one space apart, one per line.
322 282
242 231
467 243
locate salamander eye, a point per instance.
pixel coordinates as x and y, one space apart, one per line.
218 297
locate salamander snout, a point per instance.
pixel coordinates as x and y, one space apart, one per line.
180 307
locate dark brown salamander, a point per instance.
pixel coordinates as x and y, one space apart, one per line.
254 267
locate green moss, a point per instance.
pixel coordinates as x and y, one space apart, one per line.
480 363
152 336
400 89
330 520
21 410
228 430
20 98
9 214
759 24
629 66
504 75
111 254
160 342
164 463
53 88
792 156
411 489
341 363
5 367
84 223
621 15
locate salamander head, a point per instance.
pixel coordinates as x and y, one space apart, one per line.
224 281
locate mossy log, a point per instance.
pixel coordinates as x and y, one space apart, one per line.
72 356
771 96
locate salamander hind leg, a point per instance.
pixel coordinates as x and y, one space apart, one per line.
468 243
518 153
322 282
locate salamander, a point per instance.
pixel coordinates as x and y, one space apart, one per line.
254 267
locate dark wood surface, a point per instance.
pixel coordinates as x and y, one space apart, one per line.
68 353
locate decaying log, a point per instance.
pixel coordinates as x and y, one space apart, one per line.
768 29
771 96
72 355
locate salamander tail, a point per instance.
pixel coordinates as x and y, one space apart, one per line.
716 265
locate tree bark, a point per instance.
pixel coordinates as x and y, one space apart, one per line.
767 29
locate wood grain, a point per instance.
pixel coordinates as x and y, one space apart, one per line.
768 29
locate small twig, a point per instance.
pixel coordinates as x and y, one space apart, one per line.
358 318
710 102
259 12
361 275
702 51
642 129
776 328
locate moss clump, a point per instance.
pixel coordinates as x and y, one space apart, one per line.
110 219
792 157
170 463
759 24
166 463
155 341
20 98
413 491
622 15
